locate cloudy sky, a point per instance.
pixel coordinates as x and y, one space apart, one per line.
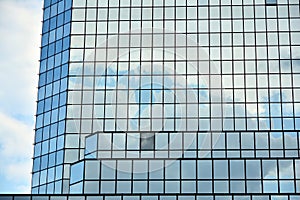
20 28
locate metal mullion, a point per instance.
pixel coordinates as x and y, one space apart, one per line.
151 87
280 80
140 73
292 82
198 99
209 73
163 71
221 74
128 75
105 73
243 60
117 73
186 77
94 75
232 73
256 77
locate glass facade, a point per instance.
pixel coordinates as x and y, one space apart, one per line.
48 162
169 97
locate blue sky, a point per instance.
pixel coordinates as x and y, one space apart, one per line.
20 28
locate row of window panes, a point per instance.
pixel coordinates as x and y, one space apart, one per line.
57 21
49 160
55 8
51 103
54 62
52 89
181 54
188 141
51 131
52 116
48 3
52 75
56 47
277 83
186 169
188 187
172 112
148 13
175 114
176 154
184 26
49 175
240 96
261 67
128 3
60 57
51 188
182 124
178 40
56 35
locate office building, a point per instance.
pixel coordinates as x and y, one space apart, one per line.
169 97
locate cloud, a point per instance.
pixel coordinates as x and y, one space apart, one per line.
14 136
20 23
15 151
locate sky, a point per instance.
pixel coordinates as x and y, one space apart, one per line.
20 29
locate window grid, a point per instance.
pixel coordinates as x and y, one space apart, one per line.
253 46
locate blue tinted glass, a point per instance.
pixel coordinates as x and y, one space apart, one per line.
67 29
156 187
58 172
139 186
44 52
68 4
172 187
63 99
51 50
46 25
107 187
172 169
64 70
77 172
60 19
44 162
271 1
123 187
54 115
65 57
61 6
36 164
47 3
77 188
188 169
66 43
58 46
62 112
59 157
52 23
270 186
38 135
52 160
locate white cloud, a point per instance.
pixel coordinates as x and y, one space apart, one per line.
15 151
20 23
